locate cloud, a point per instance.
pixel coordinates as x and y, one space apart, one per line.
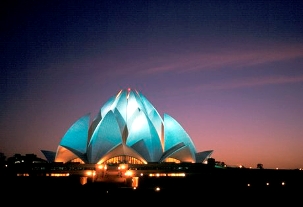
220 59
248 82
145 66
233 84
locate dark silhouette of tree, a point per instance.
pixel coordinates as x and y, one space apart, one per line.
2 159
260 166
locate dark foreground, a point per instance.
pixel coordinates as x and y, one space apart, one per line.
218 187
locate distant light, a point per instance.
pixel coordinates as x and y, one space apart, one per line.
248 184
122 167
176 174
267 183
157 189
128 173
283 183
90 173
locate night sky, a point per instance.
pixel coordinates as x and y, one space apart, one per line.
230 72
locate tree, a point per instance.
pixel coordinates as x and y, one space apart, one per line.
260 166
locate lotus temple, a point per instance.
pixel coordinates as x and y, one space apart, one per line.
129 149
127 129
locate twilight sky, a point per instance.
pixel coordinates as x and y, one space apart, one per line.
230 72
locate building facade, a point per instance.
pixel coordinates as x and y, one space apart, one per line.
127 129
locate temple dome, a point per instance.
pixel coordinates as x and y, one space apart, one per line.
127 129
